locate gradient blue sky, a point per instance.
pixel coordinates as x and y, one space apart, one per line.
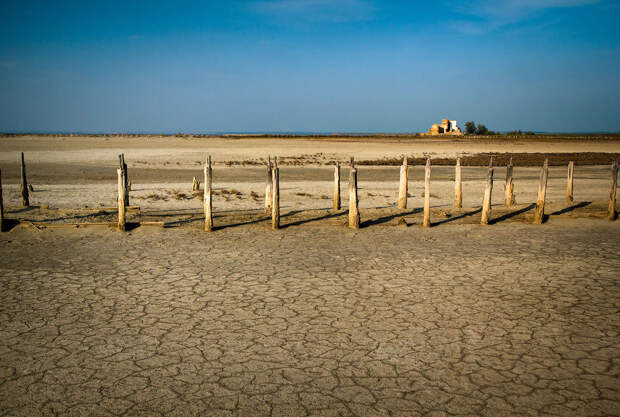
308 65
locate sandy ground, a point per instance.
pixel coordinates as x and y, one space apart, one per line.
73 172
391 320
511 319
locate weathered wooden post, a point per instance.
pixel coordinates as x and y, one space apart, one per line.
195 184
123 166
1 205
275 197
569 183
458 185
486 202
613 214
121 199
337 186
403 188
539 214
24 184
268 187
509 196
427 193
208 194
354 213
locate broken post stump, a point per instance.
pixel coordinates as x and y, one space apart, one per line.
569 183
403 188
121 199
208 194
268 187
539 214
486 202
458 185
509 196
613 214
1 205
337 186
195 184
354 213
275 197
24 184
427 193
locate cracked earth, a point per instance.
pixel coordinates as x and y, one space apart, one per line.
512 319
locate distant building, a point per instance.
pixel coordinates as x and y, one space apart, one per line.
446 127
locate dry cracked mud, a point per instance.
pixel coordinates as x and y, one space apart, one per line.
512 319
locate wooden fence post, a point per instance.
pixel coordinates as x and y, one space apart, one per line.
427 193
337 186
509 196
403 188
569 183
486 202
1 205
613 214
539 214
458 185
268 187
24 184
208 195
275 198
123 166
121 199
354 213
195 185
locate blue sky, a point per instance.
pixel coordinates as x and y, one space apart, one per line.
308 65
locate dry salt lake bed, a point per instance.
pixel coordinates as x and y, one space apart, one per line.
314 319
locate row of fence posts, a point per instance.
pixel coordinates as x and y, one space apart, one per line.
272 191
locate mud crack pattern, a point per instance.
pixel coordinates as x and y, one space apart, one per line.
508 320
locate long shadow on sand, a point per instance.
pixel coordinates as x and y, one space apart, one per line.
315 219
571 208
512 214
455 218
385 219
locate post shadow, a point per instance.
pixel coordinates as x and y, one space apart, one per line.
571 208
515 213
315 219
455 218
385 219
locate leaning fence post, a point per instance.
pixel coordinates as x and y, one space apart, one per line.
123 166
569 182
427 193
24 184
486 202
354 213
268 187
509 196
458 185
403 188
121 199
1 205
539 214
208 194
275 198
337 186
613 214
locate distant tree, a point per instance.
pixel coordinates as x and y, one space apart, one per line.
529 133
470 127
482 130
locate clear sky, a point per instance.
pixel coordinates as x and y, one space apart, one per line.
308 65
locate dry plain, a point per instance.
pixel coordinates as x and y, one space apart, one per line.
314 319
